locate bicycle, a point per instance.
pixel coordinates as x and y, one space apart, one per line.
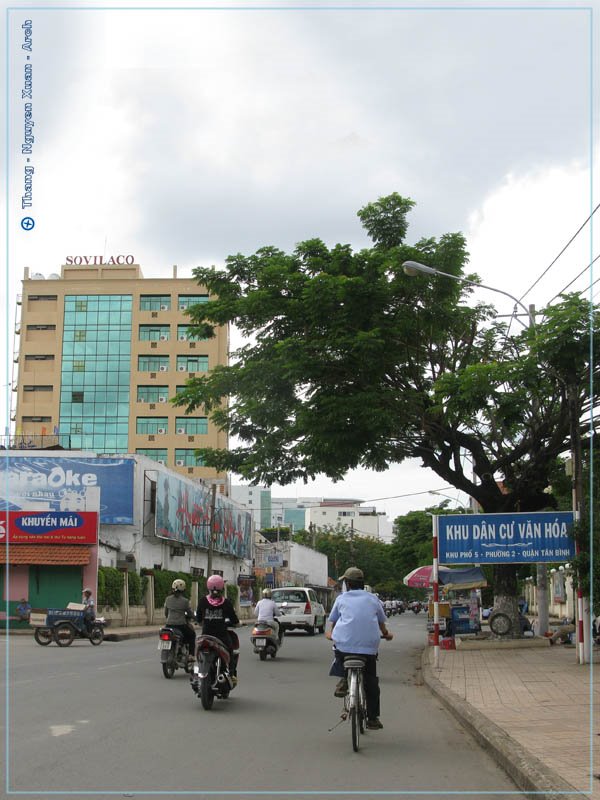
355 701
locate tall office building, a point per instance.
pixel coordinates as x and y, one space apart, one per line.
100 352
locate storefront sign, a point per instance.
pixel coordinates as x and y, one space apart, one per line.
90 261
505 538
44 527
30 483
270 560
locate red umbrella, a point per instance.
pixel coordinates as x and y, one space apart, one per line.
421 577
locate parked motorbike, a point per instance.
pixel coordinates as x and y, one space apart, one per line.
265 640
174 651
211 674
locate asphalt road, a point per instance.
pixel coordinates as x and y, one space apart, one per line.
104 719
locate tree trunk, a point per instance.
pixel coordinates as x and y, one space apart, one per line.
505 596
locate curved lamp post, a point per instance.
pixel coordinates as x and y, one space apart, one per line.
413 268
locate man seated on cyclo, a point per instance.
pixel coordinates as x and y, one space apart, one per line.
266 610
178 612
89 612
358 623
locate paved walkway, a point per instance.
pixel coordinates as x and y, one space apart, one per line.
532 707
529 706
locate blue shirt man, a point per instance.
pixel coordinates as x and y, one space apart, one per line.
358 622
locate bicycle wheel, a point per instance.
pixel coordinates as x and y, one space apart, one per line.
353 708
362 705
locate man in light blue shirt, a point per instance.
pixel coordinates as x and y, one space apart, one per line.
358 622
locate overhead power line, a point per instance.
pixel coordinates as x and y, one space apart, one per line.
535 283
585 269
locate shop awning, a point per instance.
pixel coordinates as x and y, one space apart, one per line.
63 554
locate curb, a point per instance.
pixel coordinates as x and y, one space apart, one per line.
525 769
123 635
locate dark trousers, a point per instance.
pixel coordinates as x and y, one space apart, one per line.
371 681
188 636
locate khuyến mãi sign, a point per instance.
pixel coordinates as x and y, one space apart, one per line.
505 538
50 527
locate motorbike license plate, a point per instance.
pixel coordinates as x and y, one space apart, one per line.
164 645
260 642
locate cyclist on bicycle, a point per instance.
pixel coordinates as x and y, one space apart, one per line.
358 623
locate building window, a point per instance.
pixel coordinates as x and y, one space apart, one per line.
187 458
80 305
38 388
153 363
78 366
184 334
154 333
146 425
41 327
155 453
193 426
192 363
39 358
36 419
79 336
346 514
152 394
77 428
155 302
42 297
187 300
77 397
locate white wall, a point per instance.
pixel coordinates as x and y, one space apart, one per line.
308 561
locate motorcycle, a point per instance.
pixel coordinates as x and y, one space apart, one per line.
265 640
211 676
174 651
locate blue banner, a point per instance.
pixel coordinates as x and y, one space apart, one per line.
506 538
42 483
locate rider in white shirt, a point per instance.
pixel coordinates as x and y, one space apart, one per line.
267 611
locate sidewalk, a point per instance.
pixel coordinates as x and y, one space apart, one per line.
530 707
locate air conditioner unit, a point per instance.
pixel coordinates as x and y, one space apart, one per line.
180 430
182 307
141 400
162 399
162 368
182 368
182 337
164 308
180 462
163 338
161 430
160 461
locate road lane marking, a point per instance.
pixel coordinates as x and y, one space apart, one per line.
61 730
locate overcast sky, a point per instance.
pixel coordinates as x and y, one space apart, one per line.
183 136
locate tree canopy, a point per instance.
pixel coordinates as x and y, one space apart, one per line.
350 362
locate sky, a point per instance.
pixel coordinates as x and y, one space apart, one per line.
184 135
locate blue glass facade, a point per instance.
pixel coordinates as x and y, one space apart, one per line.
95 376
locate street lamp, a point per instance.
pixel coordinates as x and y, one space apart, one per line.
413 268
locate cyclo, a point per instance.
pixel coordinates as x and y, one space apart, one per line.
63 625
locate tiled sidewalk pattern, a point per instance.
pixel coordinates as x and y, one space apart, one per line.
541 697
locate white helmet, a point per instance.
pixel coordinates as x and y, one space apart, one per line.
266 593
178 585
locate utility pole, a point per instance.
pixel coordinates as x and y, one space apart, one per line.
211 531
583 651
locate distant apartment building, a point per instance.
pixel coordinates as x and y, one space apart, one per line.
337 514
100 350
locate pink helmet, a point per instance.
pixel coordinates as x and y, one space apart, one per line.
215 583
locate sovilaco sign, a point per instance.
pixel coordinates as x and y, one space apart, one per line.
505 538
90 261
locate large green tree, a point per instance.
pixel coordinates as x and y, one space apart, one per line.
349 362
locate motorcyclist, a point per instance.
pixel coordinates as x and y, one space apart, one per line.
266 610
216 613
179 612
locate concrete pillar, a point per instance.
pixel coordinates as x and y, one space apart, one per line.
149 600
125 602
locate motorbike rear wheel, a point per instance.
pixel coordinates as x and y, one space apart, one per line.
64 635
43 636
97 635
168 668
262 655
206 693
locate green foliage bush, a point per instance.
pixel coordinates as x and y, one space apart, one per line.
163 579
134 584
110 587
232 593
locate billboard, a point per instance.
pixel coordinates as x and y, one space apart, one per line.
183 515
535 537
44 527
49 483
